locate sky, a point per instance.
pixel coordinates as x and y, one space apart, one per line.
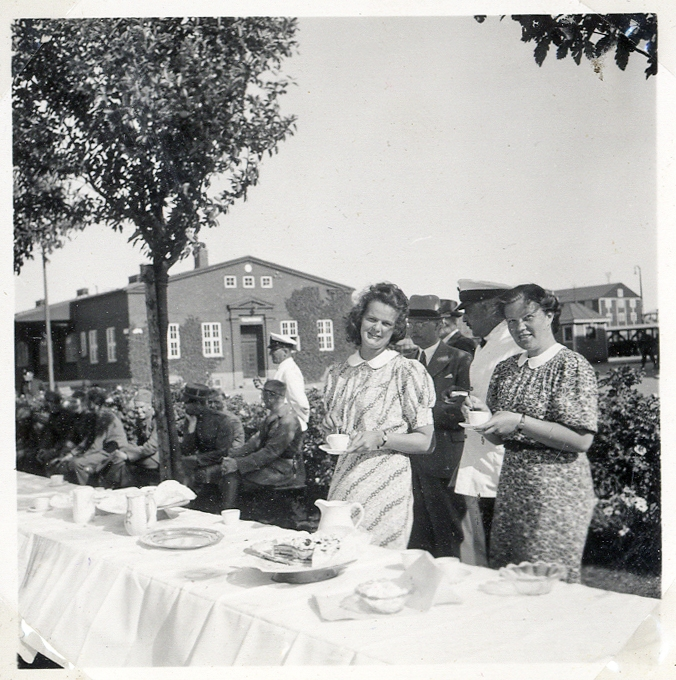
430 149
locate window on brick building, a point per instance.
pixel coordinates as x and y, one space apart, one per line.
289 328
325 335
230 281
173 341
211 340
93 347
71 348
83 344
111 345
248 282
266 281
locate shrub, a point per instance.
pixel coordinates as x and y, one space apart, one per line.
625 461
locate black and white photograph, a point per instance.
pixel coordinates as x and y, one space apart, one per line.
338 339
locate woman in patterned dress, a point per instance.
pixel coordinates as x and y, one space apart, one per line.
544 405
384 402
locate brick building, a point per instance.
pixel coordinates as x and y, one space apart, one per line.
219 320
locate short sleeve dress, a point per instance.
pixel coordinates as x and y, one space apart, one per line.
545 497
389 393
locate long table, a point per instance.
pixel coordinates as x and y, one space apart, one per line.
101 598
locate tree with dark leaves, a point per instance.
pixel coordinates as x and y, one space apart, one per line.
129 121
591 36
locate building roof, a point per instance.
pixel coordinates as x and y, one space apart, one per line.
591 292
253 260
575 311
59 311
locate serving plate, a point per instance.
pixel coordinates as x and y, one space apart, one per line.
181 538
469 426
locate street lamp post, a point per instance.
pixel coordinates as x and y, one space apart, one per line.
640 289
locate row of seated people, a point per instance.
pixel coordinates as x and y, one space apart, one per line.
86 442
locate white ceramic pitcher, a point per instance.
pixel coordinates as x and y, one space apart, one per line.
338 514
141 512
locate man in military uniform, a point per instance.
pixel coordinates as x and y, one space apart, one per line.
208 436
449 331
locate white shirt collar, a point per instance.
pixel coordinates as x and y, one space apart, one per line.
429 352
377 361
450 335
540 359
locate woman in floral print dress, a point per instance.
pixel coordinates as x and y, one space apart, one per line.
544 405
384 402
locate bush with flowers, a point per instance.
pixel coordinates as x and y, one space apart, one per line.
625 461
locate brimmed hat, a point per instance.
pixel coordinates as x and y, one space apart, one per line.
448 308
423 307
276 387
477 291
196 392
277 340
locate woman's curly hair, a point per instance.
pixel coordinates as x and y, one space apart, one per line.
531 292
388 294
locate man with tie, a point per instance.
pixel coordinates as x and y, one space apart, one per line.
437 509
449 331
477 478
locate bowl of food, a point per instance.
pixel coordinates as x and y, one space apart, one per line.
533 578
383 595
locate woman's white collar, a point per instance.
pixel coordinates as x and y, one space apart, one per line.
377 361
540 359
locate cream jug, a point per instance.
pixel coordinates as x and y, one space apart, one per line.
83 504
338 514
141 512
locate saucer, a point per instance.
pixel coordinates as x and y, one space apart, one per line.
333 452
469 426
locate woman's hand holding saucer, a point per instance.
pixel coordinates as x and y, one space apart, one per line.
365 441
501 424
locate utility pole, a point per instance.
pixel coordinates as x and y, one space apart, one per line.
48 325
640 290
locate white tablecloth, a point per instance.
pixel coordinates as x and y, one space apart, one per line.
101 599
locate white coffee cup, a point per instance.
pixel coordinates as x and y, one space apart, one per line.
83 504
478 417
338 442
55 480
40 503
230 517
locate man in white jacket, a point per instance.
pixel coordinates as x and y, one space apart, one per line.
281 348
477 478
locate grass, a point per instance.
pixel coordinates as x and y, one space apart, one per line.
619 581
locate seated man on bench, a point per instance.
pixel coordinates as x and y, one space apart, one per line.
273 457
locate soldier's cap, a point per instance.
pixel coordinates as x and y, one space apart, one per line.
276 387
196 392
448 308
424 307
471 291
277 340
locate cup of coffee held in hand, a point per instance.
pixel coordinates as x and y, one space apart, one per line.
338 442
476 418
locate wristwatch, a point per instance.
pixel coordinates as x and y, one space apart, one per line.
522 422
384 440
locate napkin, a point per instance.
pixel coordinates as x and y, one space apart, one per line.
431 587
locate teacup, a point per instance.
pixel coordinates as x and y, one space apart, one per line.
338 442
56 480
40 503
478 417
230 517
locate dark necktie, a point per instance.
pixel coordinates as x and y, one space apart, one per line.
423 358
482 342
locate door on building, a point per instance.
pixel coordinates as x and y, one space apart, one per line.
253 351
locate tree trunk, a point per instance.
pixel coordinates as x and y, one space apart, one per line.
156 279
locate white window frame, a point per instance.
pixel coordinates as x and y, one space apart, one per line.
230 281
83 344
266 281
212 344
620 293
93 347
289 329
173 341
248 281
70 349
111 345
325 335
